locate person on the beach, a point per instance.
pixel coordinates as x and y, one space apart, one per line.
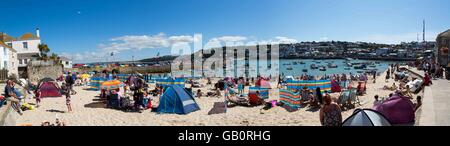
319 95
388 76
65 90
199 93
374 77
330 113
10 95
419 103
146 102
70 81
377 101
138 94
407 92
241 86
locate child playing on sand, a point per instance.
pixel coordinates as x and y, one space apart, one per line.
65 90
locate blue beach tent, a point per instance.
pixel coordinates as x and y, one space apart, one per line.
177 100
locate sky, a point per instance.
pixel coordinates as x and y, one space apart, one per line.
89 30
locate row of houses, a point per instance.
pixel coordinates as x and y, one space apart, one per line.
17 52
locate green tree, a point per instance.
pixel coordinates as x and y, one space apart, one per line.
43 50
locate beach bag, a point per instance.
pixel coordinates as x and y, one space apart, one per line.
125 104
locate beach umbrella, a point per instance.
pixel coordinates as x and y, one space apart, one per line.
85 76
366 117
112 84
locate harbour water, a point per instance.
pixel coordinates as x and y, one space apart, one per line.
342 67
297 67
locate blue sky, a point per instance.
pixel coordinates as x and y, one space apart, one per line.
88 30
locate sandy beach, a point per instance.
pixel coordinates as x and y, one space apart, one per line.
89 112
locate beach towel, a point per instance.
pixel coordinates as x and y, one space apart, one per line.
218 108
325 85
289 98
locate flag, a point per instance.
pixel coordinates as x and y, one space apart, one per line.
157 54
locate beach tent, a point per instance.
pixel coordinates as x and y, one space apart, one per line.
335 87
48 88
263 92
397 109
325 85
366 117
177 100
262 83
289 98
96 82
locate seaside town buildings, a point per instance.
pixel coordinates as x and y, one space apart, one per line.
16 53
443 43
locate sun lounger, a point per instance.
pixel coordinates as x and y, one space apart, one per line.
348 98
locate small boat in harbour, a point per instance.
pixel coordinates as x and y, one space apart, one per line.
359 71
322 68
347 68
301 62
332 65
289 68
313 66
294 63
305 70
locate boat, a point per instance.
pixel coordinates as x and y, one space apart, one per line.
360 66
332 65
287 64
289 68
359 71
313 66
322 68
295 63
301 62
347 68
305 70
373 66
377 62
349 64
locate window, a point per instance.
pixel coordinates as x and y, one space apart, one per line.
67 62
20 61
5 64
9 44
5 53
12 64
25 45
25 61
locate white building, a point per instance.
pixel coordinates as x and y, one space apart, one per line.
8 58
23 49
66 62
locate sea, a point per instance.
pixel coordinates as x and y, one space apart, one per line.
294 67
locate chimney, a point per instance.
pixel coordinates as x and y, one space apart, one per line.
38 33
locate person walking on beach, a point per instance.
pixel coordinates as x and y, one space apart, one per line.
65 90
374 77
388 73
330 113
70 81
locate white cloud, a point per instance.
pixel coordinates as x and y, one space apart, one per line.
285 40
230 39
323 39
